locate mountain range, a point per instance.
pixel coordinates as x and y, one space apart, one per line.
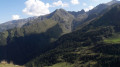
64 38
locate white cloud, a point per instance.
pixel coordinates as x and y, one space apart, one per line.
74 1
89 8
60 3
36 8
15 17
84 4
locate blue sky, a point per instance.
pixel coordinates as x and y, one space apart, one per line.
18 9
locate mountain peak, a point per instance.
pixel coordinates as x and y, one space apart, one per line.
60 10
59 14
83 10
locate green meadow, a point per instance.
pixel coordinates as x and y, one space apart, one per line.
62 64
115 39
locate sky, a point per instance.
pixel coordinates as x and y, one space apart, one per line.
19 9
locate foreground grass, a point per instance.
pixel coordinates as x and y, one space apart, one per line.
9 65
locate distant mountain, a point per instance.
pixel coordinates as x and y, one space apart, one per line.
15 23
87 47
